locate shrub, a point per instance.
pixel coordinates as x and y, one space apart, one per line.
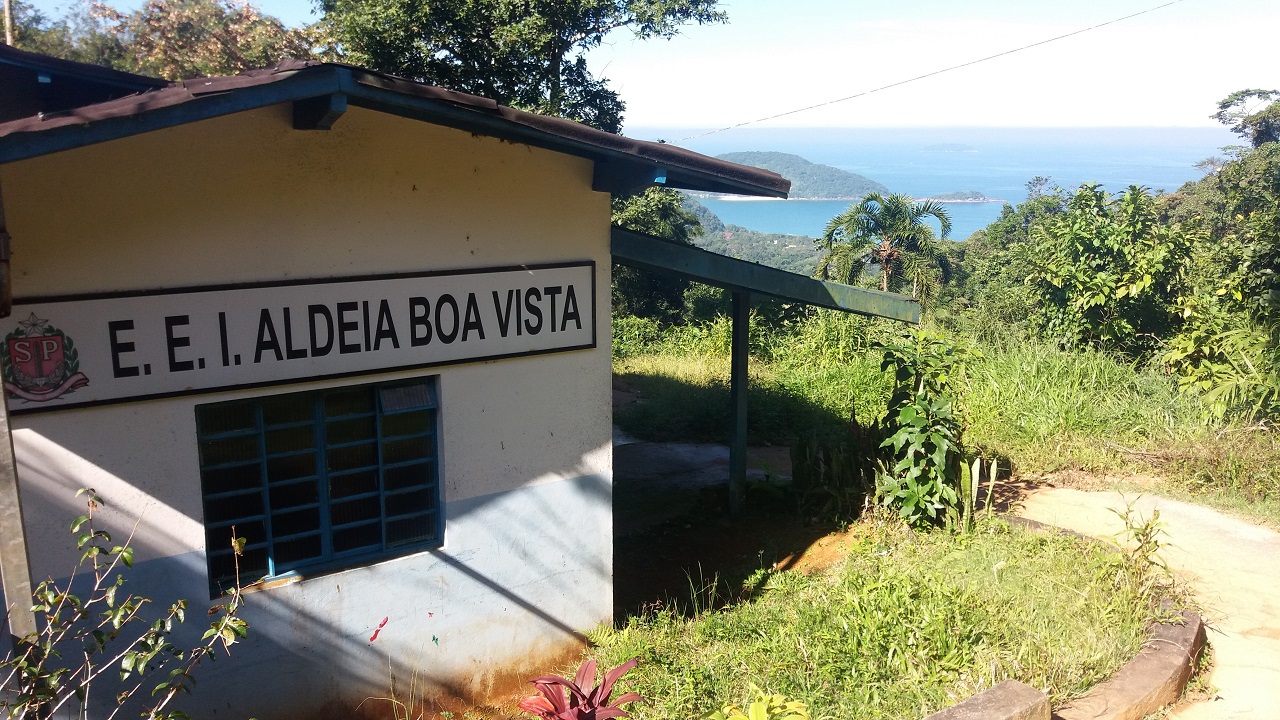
921 477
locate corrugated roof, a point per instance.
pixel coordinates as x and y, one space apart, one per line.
620 161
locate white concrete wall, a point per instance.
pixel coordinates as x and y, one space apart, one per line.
526 461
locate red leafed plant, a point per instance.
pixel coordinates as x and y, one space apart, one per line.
562 699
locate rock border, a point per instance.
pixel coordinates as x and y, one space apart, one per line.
1154 678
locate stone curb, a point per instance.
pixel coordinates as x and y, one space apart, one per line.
1155 677
1010 700
1148 682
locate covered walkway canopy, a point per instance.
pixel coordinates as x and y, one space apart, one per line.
743 279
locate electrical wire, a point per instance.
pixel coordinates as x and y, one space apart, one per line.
933 73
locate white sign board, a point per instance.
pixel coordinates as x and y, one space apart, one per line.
74 351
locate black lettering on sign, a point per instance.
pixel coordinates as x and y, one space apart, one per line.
364 306
267 339
530 304
289 350
222 333
552 292
120 347
504 318
386 327
570 301
318 311
447 337
419 319
472 320
345 326
519 313
174 342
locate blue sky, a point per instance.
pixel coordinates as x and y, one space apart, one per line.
1165 68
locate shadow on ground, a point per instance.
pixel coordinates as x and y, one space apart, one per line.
675 544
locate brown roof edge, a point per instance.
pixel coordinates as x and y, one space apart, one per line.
13 56
192 100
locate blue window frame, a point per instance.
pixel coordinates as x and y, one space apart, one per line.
319 480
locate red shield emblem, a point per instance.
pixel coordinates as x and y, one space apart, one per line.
38 358
40 362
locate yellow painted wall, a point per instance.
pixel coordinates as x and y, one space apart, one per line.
526 456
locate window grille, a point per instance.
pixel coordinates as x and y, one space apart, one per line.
319 480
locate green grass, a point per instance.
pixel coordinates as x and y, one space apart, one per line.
1038 408
908 624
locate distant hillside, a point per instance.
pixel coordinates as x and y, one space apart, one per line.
808 179
795 253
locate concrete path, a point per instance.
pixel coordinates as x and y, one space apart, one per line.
1234 568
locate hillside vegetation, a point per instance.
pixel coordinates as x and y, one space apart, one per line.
1101 332
794 253
809 179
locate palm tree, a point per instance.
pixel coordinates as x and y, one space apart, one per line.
890 232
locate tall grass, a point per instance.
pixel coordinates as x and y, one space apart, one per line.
908 624
1034 402
1038 407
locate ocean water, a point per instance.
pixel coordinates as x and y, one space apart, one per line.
998 162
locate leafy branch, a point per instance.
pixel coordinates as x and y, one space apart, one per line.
104 630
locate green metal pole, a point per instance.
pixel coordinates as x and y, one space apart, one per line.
738 401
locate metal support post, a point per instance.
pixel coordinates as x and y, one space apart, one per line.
738 401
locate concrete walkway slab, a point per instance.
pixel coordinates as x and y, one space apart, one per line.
1234 569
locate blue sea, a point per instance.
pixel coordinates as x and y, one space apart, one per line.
923 162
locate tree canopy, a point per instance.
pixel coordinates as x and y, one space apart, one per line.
172 39
528 54
1239 111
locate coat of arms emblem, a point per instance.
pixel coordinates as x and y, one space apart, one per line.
40 363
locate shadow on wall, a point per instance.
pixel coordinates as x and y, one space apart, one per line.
521 575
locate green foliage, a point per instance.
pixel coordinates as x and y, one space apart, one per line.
763 706
104 631
907 624
79 35
526 55
921 479
890 232
1105 272
181 39
659 212
1256 126
809 179
987 297
833 479
1036 407
172 39
1228 349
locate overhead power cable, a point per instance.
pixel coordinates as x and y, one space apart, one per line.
935 72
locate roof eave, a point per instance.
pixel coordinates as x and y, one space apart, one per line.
370 91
